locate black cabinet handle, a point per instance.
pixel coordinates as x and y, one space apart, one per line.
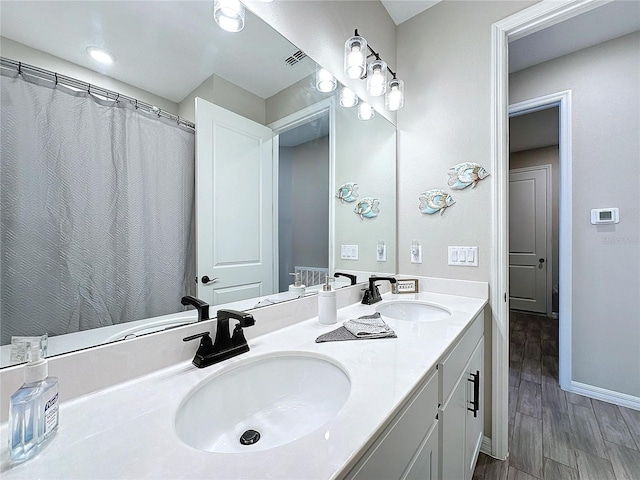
475 403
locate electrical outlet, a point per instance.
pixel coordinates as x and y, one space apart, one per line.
349 252
416 252
463 256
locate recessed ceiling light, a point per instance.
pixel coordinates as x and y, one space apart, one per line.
101 55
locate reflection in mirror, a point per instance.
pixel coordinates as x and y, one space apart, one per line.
256 74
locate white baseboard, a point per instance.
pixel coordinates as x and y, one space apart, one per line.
617 398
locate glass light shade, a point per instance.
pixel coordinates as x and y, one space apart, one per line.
365 111
377 78
394 99
229 14
325 82
355 57
348 98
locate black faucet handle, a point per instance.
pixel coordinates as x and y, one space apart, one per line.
245 319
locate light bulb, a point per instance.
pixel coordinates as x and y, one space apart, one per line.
355 57
348 98
229 14
395 96
325 82
377 78
365 111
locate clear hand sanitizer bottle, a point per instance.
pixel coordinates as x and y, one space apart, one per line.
33 411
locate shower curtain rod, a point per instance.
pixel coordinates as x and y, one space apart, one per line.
89 88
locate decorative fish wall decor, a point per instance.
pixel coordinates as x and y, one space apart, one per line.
465 174
367 207
348 192
435 200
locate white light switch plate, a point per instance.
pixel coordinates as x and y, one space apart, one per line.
382 253
349 252
463 256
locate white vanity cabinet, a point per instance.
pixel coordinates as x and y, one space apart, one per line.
408 447
438 434
460 412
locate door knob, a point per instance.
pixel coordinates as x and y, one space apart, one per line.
540 264
541 260
205 279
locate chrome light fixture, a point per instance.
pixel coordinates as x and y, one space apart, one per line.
355 57
365 111
325 82
229 14
394 100
356 52
377 78
348 98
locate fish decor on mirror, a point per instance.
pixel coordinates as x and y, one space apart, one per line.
435 200
367 207
464 174
348 192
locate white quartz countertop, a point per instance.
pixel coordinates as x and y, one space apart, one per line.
127 431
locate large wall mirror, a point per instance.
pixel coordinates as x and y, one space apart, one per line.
167 54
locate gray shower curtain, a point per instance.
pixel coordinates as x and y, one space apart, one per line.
97 211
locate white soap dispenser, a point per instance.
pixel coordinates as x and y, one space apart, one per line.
297 286
33 411
327 305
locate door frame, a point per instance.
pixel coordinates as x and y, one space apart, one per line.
530 20
290 122
548 239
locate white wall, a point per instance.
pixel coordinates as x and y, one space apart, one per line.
22 53
604 81
445 55
225 94
321 27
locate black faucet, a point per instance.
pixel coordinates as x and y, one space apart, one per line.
372 294
225 345
201 306
353 278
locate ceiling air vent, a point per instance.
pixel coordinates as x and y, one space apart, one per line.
295 58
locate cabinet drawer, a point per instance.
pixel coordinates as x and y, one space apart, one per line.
389 457
452 365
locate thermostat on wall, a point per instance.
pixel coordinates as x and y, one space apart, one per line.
601 216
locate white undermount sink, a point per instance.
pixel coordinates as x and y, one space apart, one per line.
283 397
414 310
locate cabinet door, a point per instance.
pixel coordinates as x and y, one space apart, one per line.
474 424
425 465
453 417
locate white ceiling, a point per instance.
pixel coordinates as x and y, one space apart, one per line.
165 47
170 47
607 22
402 10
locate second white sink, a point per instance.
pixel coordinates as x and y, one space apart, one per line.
281 397
413 310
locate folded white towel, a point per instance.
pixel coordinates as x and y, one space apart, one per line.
369 326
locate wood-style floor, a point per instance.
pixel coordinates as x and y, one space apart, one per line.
555 434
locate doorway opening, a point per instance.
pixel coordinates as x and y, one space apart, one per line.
303 213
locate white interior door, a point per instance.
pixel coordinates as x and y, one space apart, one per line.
234 206
528 239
